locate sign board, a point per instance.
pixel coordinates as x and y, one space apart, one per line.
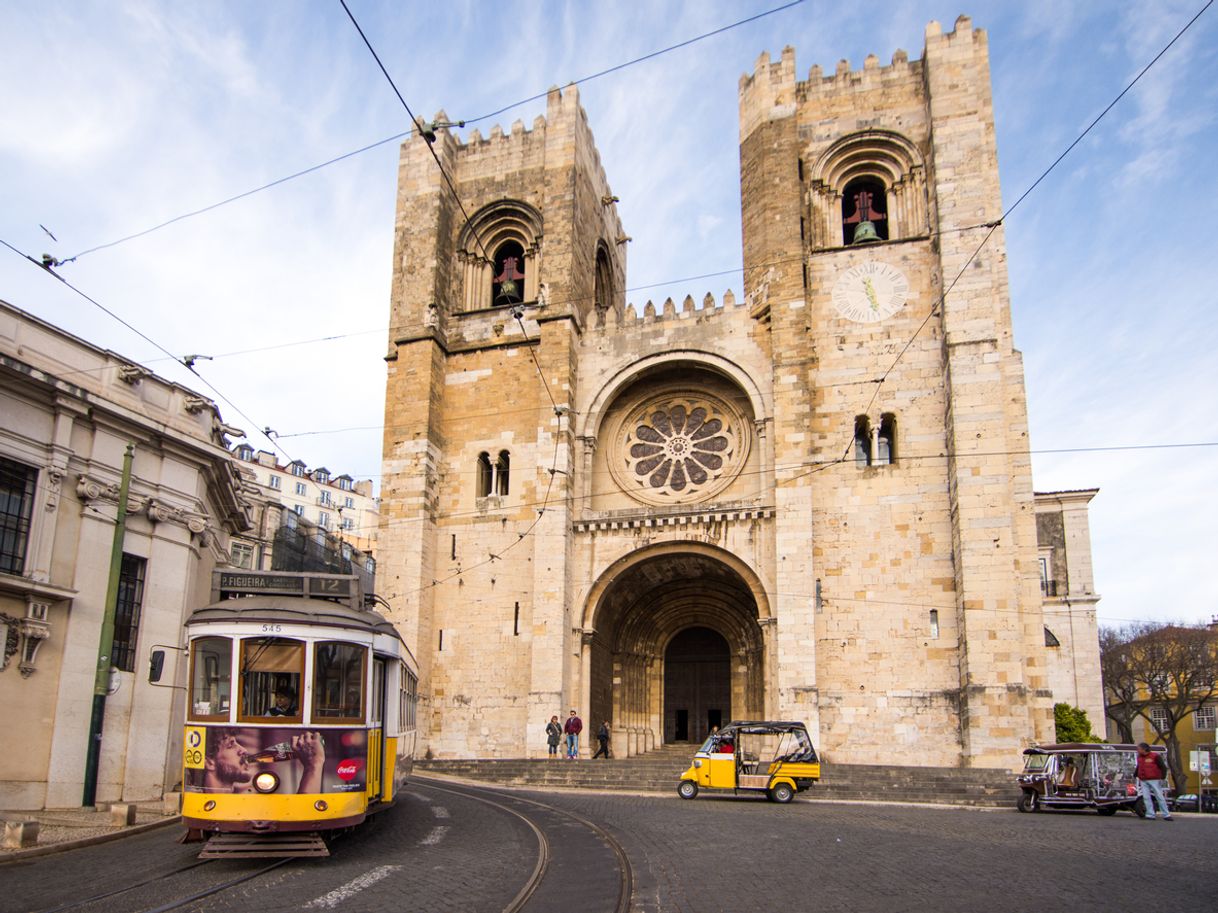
335 587
1205 762
1193 763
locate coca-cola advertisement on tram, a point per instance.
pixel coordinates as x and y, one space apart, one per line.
236 759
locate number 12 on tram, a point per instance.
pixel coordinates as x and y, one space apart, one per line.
300 711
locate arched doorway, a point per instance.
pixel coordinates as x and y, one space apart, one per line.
697 685
676 639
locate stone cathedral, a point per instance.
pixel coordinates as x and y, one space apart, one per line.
710 510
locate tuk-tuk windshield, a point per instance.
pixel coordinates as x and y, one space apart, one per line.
1034 763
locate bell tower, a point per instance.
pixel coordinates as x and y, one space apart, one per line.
869 204
492 287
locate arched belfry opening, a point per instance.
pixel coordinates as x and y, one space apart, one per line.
677 645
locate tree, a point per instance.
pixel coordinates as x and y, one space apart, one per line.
1071 724
1169 668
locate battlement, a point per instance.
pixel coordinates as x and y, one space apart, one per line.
772 89
561 135
631 317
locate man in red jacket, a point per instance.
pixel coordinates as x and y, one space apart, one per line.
573 727
1150 775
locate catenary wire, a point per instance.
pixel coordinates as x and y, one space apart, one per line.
399 136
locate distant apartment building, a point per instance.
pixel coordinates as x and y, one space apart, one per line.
305 519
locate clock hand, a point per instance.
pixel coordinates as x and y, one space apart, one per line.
867 286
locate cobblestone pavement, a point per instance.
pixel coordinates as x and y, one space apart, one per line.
446 852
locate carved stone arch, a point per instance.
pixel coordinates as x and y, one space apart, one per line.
695 358
489 229
715 429
884 156
748 575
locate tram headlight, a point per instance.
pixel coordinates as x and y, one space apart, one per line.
266 782
320 805
209 805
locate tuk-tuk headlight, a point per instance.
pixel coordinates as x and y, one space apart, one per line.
697 762
266 782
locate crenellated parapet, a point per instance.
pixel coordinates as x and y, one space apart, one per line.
633 318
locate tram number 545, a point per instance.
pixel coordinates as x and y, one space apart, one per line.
272 629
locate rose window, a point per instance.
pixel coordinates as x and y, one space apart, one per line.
675 448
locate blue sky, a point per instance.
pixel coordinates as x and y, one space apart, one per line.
117 116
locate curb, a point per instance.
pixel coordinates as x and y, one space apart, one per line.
9 856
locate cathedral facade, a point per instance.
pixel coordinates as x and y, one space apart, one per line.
812 502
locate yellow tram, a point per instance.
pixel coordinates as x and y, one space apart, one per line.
300 711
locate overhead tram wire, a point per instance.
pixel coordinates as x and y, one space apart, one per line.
399 136
516 312
46 267
993 227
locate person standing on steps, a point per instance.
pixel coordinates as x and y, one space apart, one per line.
573 727
602 737
553 735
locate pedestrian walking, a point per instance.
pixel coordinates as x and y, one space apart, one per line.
602 737
573 727
1151 772
553 735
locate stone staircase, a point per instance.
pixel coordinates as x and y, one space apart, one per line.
658 771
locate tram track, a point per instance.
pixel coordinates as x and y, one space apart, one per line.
165 876
567 855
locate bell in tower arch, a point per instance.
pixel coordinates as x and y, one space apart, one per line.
866 234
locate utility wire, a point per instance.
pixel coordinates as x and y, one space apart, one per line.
993 227
182 361
399 136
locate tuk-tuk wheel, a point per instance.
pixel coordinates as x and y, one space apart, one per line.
1107 810
1139 808
782 793
687 789
1028 801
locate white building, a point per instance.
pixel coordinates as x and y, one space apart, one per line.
68 412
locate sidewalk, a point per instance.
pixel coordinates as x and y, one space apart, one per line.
67 828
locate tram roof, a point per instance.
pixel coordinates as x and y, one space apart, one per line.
294 610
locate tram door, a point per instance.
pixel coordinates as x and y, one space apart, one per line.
376 732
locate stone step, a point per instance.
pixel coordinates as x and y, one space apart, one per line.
658 771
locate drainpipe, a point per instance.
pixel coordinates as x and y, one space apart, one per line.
101 678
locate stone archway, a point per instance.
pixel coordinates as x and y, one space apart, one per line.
688 606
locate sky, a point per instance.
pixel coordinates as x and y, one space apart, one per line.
118 116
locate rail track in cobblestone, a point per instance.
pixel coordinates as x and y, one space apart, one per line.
572 864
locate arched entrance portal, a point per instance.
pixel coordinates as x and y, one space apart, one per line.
697 685
676 639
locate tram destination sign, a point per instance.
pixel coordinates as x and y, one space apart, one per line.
255 583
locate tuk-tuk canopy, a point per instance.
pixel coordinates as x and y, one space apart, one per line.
1070 747
762 727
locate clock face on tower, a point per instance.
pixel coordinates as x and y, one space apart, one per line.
870 292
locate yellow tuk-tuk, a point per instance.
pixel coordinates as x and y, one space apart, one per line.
776 758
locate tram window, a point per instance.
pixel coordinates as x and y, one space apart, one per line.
338 681
409 698
211 664
378 691
271 670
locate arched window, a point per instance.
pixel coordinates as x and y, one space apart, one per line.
872 176
508 281
864 200
494 478
604 281
498 251
485 474
862 441
886 441
503 467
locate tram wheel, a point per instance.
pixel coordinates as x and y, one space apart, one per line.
687 789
